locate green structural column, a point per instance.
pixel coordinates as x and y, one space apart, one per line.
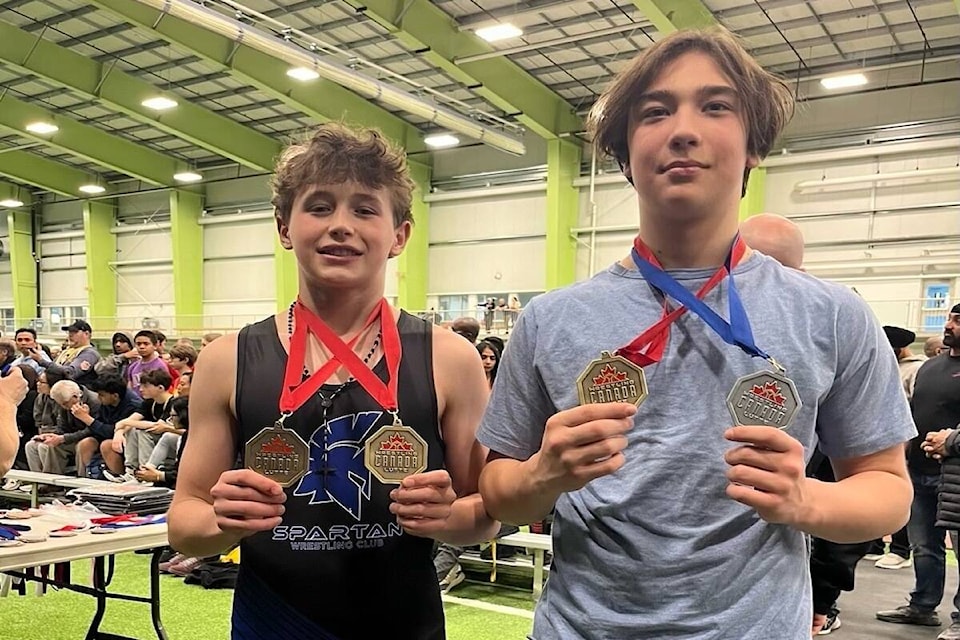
23 265
285 270
413 266
186 236
755 200
563 204
101 247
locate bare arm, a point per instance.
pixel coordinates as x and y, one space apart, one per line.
512 491
462 391
870 499
13 389
211 452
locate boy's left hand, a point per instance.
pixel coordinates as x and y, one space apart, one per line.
422 502
767 473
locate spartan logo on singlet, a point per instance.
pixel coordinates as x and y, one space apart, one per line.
345 481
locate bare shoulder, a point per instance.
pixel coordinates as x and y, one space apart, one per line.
216 370
451 349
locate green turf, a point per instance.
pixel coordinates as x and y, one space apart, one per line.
194 613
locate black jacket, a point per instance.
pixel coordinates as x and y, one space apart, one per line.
948 499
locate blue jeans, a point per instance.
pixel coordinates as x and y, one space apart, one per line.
929 549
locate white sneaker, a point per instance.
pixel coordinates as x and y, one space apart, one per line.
10 485
454 577
893 561
872 557
26 488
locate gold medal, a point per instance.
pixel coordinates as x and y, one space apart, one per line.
395 452
279 454
612 378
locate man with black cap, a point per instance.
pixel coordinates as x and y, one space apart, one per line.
936 407
77 361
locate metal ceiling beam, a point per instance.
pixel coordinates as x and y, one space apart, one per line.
508 14
672 15
123 92
434 35
320 99
91 143
10 191
43 173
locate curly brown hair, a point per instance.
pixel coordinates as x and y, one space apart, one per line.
333 153
767 101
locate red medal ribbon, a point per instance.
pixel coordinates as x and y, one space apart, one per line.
296 391
648 347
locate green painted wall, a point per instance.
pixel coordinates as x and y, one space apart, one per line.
563 205
755 200
186 236
101 248
413 266
23 265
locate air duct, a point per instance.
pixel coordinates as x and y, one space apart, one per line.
243 34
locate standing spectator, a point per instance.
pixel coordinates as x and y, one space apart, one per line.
936 407
469 328
490 356
123 354
26 339
933 347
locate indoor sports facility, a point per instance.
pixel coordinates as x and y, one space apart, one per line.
138 139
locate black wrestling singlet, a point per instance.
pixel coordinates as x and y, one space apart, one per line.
338 567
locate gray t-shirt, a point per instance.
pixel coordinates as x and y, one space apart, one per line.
657 549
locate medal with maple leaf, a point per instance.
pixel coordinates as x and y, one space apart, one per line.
277 453
395 452
612 378
765 398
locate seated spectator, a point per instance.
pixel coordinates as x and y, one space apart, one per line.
137 435
117 401
182 359
26 339
183 385
8 355
158 469
147 344
50 451
208 338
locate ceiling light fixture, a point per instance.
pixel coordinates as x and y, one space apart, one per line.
302 74
187 176
441 140
10 203
92 189
498 32
844 82
159 103
42 128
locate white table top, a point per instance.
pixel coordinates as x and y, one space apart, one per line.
82 545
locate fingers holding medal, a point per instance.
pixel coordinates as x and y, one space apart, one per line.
423 502
246 502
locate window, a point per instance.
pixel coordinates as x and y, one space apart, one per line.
453 307
934 310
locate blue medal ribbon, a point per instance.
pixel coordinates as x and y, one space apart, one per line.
736 332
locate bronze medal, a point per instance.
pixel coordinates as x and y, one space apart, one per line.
612 378
765 398
395 452
279 454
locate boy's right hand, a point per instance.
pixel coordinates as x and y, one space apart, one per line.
582 444
246 502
